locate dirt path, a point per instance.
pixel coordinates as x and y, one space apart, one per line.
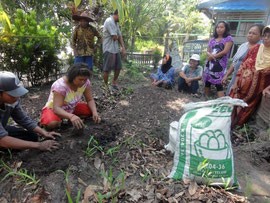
123 158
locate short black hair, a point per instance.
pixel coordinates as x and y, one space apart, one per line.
227 29
115 12
259 26
77 69
169 61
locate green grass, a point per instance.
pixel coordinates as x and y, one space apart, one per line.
21 175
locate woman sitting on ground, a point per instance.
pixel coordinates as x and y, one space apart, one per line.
65 99
190 75
165 74
252 78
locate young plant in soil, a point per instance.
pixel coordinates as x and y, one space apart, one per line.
112 186
92 147
68 189
22 175
206 174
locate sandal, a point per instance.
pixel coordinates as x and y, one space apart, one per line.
115 87
196 95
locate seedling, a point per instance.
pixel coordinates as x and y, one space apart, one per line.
145 176
206 174
68 189
115 185
111 151
22 175
227 184
93 147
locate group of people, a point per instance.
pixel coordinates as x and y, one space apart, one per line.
84 46
189 76
250 69
64 102
65 99
251 80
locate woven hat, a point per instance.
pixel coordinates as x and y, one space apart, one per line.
84 15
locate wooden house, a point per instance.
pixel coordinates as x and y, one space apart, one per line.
240 14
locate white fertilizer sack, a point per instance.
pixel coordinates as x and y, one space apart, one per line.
172 136
203 146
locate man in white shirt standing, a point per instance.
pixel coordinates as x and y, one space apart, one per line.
112 37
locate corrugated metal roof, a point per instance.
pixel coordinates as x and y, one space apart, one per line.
235 5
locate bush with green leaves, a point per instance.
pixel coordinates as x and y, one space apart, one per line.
30 48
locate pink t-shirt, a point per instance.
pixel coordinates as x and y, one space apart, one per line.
71 97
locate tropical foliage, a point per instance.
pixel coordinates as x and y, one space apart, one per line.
30 47
34 32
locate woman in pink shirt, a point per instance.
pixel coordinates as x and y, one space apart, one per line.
65 99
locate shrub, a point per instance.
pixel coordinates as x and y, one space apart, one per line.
30 48
157 56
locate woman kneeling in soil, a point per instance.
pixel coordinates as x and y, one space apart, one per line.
65 99
165 74
190 75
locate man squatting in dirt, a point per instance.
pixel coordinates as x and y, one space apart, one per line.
13 137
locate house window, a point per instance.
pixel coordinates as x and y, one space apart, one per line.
233 26
244 27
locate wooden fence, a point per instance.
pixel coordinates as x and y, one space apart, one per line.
144 59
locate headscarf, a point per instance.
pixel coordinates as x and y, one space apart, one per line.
263 56
165 67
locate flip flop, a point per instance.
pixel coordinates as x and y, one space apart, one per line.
115 87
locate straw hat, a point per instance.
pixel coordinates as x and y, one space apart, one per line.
84 15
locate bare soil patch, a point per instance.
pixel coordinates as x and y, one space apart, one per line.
128 162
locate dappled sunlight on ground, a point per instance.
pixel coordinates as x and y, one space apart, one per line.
177 104
124 103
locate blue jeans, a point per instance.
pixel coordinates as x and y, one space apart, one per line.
182 85
85 59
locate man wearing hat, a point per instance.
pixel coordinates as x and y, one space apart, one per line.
190 75
83 39
18 138
112 37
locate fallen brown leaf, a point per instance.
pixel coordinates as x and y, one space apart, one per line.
192 188
97 162
88 193
135 195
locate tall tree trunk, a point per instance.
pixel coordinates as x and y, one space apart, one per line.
133 38
166 45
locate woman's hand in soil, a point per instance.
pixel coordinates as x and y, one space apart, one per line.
51 135
96 118
76 121
48 145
